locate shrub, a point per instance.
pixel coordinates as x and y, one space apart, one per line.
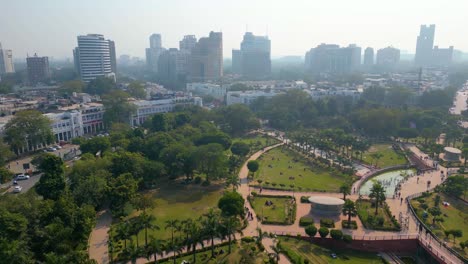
261 247
347 238
247 239
254 193
380 220
205 183
197 180
327 222
352 224
423 206
305 199
274 184
311 230
306 221
323 231
336 234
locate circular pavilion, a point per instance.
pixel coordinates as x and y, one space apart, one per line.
452 154
325 205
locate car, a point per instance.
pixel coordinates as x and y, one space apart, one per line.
57 147
333 256
51 149
17 189
21 177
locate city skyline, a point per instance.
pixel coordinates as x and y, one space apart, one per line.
292 28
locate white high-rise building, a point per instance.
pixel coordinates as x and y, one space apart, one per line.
153 52
6 61
93 57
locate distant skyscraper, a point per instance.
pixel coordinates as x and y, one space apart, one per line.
388 56
236 61
113 56
6 61
187 43
206 60
442 57
93 57
330 58
38 69
153 52
173 65
253 58
424 44
369 56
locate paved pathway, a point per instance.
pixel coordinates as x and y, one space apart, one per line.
99 237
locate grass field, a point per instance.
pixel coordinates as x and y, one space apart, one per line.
455 217
256 141
366 210
241 253
295 171
180 202
389 158
320 255
277 212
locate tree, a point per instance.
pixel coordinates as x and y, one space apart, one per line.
311 230
136 90
27 130
155 248
345 189
456 233
218 137
377 192
232 204
123 232
118 108
100 86
240 148
73 86
5 175
211 226
230 226
349 209
174 226
121 190
456 185
323 232
132 253
212 161
52 183
236 119
147 223
408 133
434 211
94 145
51 164
5 153
253 166
160 122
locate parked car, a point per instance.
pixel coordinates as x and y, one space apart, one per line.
57 147
21 177
51 149
17 189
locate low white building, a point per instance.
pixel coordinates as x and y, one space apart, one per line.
147 108
317 94
247 97
66 125
207 89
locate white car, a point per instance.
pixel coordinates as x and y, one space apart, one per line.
57 147
22 177
17 189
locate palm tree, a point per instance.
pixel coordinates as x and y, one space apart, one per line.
233 180
132 253
211 227
231 226
123 232
349 209
154 248
174 226
377 192
175 247
345 189
196 237
261 235
136 227
185 227
146 221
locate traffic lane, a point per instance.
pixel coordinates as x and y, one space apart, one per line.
26 184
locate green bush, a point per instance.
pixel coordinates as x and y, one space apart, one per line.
253 193
205 183
347 238
336 234
311 230
247 239
327 222
305 199
306 221
323 232
353 224
197 180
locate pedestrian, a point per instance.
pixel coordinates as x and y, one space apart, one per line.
417 180
401 201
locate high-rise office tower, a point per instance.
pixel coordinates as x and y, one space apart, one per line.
187 43
38 69
93 57
330 58
6 61
369 56
388 56
253 58
173 65
113 56
153 52
442 57
424 44
206 59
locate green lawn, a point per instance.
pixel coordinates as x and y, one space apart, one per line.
320 255
241 253
180 202
455 217
366 211
389 158
295 171
277 212
256 141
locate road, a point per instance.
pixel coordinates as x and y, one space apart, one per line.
26 184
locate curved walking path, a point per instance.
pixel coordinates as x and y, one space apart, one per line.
97 244
410 187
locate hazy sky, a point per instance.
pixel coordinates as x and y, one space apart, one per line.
50 27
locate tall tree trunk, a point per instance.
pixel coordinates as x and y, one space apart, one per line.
349 219
376 206
194 255
212 246
146 236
